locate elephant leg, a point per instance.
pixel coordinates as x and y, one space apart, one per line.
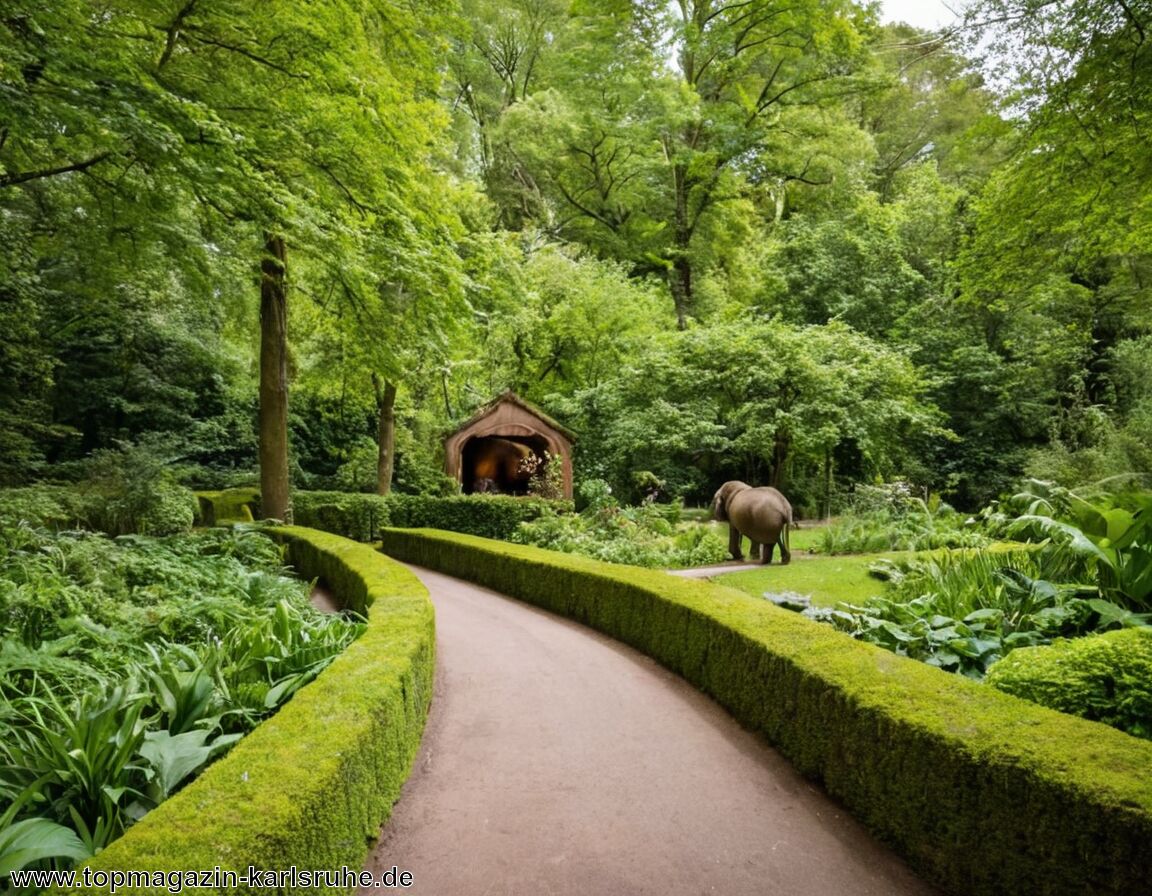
754 549
769 550
734 539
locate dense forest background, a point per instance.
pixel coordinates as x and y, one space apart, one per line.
778 242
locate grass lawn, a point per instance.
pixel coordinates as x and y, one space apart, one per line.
827 580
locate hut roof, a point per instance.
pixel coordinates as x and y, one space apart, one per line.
510 397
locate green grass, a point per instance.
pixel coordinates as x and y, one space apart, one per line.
827 580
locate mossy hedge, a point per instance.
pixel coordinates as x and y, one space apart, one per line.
982 792
230 505
311 786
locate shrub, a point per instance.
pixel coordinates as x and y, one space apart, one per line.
46 506
1106 678
637 536
356 516
361 517
134 490
489 516
891 518
232 505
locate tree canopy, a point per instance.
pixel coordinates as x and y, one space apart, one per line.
774 241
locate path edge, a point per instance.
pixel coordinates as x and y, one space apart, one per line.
983 793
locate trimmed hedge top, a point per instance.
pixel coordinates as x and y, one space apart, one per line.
311 786
984 793
362 517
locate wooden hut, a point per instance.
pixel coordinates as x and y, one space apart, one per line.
498 449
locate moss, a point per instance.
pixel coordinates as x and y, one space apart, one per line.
233 505
311 786
982 792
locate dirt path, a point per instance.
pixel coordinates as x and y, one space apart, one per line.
557 761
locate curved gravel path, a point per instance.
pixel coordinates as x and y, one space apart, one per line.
558 761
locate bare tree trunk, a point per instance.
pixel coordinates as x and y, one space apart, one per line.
827 483
680 275
680 285
386 433
780 452
275 497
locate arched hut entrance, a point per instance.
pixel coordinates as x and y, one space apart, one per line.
501 446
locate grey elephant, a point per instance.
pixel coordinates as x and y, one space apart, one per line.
763 514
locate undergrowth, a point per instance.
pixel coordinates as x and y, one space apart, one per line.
127 664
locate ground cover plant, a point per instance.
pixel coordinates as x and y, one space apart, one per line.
1081 569
128 664
649 534
892 517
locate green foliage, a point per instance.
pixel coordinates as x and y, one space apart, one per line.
361 517
234 505
1087 571
490 516
34 840
849 268
1032 801
46 506
356 516
963 610
342 747
127 491
123 661
755 400
637 536
1105 538
892 518
1107 678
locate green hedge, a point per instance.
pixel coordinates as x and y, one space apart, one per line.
1106 678
361 517
489 516
983 793
230 505
311 786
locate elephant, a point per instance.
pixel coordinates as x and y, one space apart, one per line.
763 514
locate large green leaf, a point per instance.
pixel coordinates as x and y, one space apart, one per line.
35 839
174 757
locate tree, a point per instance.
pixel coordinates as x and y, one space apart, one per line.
931 104
639 160
279 126
760 401
1060 235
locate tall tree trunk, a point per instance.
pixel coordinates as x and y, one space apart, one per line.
780 451
386 433
680 284
827 483
680 275
275 497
